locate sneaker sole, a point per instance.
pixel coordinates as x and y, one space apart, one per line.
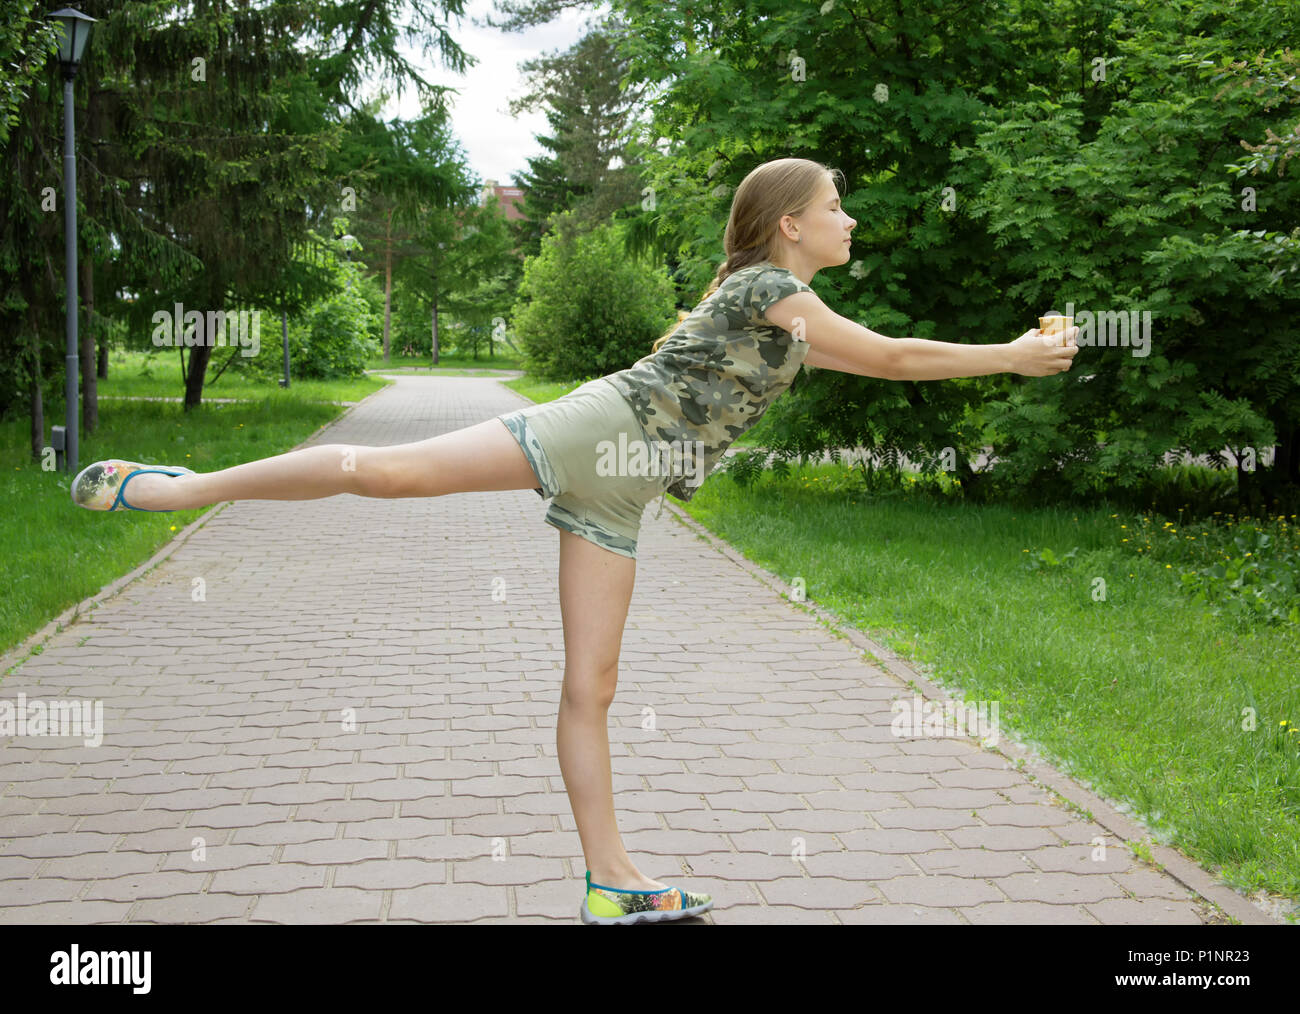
632 918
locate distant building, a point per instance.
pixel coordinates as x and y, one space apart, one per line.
509 198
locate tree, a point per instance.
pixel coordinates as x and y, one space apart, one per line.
204 161
996 174
462 249
1155 222
486 268
27 46
590 115
883 99
417 165
585 306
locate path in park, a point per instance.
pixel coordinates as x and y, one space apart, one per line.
228 787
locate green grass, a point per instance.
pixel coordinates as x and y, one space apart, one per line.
1142 693
54 554
158 375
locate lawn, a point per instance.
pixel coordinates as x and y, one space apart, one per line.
158 375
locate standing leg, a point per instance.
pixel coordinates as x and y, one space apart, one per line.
595 591
484 456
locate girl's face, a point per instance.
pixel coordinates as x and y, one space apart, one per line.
823 229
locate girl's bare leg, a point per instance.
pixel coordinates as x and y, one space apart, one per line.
484 456
595 586
595 591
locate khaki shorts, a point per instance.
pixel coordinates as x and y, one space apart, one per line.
580 446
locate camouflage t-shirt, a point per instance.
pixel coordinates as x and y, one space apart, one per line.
716 375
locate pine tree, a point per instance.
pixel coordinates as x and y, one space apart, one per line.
587 171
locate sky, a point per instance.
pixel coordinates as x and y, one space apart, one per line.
497 145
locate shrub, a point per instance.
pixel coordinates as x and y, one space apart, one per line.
332 340
586 308
336 341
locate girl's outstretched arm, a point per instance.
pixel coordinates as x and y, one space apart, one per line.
863 351
823 361
835 342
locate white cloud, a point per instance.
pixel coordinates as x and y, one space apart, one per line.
497 145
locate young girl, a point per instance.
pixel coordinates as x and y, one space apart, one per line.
706 381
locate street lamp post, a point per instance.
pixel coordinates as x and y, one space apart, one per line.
76 30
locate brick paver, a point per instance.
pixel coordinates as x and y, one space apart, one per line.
343 710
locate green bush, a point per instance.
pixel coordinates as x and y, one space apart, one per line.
336 341
333 340
586 308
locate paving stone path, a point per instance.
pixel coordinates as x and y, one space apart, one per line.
343 710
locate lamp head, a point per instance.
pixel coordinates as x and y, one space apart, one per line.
76 30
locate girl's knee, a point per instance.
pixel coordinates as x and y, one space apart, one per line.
589 691
377 472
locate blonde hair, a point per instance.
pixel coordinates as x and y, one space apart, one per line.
784 186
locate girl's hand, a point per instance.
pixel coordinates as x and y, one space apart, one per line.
1035 354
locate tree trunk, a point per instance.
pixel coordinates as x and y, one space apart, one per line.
388 304
1286 462
89 367
37 399
435 327
200 356
38 416
198 369
388 285
102 372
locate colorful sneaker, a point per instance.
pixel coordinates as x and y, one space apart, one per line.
99 487
607 906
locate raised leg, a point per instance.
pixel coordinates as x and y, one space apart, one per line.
484 456
595 591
